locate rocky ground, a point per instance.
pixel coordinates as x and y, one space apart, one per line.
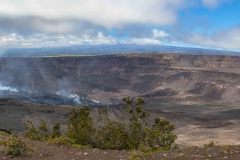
45 151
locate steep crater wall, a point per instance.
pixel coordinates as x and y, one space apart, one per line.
107 79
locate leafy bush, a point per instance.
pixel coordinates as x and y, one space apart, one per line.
43 130
137 121
56 131
112 136
34 133
209 145
80 126
134 133
14 146
61 141
136 155
160 134
31 132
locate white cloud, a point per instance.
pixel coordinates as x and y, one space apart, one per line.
159 34
142 41
42 40
157 37
50 23
107 13
229 39
11 39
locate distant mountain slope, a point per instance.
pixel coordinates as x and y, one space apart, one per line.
108 49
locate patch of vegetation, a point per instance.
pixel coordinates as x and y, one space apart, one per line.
134 133
145 136
3 134
136 155
112 136
226 149
209 145
31 132
56 131
160 134
61 141
43 130
14 146
39 133
80 126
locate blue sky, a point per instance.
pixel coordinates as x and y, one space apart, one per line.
219 17
56 23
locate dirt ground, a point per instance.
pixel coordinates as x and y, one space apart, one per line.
44 151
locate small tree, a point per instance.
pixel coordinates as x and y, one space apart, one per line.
39 133
43 130
160 134
137 122
112 136
14 146
80 126
56 131
31 132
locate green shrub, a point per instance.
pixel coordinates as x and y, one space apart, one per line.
137 122
39 133
134 133
31 132
14 146
80 126
112 136
136 155
43 130
160 135
209 145
143 147
61 141
56 131
128 100
225 149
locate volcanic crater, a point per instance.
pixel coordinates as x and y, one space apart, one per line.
199 93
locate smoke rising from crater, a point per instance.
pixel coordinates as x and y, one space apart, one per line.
7 89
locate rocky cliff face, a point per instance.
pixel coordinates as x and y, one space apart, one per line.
106 79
